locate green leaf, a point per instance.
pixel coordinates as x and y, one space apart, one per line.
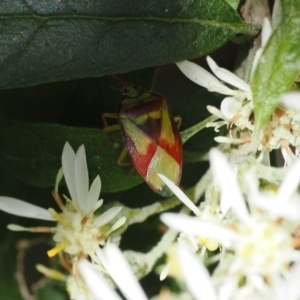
32 152
8 283
233 3
277 69
48 40
52 290
289 8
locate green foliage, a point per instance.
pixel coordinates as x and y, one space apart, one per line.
51 40
278 67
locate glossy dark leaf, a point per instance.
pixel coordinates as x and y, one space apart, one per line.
48 40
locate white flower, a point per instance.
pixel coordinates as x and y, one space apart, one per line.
287 287
259 239
195 274
200 284
236 110
206 211
78 231
119 270
76 287
291 100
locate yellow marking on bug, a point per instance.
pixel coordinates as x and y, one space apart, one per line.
167 130
155 114
165 164
143 118
140 140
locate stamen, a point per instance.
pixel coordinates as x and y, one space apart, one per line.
59 177
101 237
75 267
245 140
228 140
65 264
235 118
285 145
296 243
15 227
58 217
56 249
42 229
51 273
84 220
58 199
229 126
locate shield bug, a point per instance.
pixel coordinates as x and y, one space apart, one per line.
150 135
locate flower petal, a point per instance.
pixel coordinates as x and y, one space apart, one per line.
81 179
68 160
227 182
286 287
117 225
289 210
180 194
59 176
227 140
196 276
107 216
227 76
291 100
93 195
290 182
23 209
122 274
202 77
192 225
214 111
230 107
164 273
96 283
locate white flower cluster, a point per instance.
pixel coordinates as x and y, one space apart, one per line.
257 258
236 110
254 233
79 232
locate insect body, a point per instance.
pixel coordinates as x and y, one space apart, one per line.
151 137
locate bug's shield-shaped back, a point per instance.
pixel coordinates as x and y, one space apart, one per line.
151 138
